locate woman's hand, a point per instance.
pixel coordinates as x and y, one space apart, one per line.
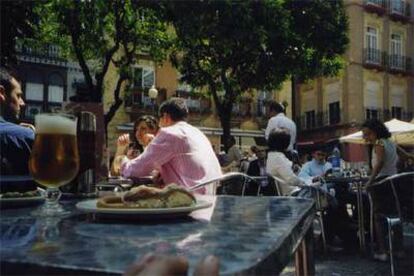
121 144
147 138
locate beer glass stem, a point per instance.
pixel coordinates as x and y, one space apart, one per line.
52 206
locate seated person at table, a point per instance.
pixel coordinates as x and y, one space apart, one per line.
280 166
130 152
257 167
15 141
145 129
383 163
181 153
312 171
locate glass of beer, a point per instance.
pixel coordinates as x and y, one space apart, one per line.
54 160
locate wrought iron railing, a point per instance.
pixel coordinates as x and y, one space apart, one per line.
49 51
374 56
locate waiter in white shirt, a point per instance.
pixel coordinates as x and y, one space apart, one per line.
279 121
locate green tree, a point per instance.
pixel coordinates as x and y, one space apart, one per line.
234 46
100 32
17 21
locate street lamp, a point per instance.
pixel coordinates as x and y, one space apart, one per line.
153 94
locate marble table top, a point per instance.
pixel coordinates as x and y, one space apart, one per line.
250 235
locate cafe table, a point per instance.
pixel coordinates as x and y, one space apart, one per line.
250 236
356 183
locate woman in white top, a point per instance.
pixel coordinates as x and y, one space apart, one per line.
279 166
383 161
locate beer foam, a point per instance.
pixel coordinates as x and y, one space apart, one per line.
46 123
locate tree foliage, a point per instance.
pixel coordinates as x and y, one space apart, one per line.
17 21
100 32
235 46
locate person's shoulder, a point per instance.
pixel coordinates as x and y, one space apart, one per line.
307 164
14 130
276 155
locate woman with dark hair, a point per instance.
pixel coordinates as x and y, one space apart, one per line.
279 165
145 129
383 163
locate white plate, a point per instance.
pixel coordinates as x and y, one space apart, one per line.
89 206
21 201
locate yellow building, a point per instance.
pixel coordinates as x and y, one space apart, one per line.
249 114
378 80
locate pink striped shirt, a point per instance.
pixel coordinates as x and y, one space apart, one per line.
181 153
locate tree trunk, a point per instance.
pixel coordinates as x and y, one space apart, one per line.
225 119
293 83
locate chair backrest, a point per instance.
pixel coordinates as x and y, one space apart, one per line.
278 182
236 179
402 186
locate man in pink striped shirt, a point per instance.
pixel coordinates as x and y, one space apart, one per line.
181 153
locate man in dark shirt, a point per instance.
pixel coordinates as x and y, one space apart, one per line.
15 140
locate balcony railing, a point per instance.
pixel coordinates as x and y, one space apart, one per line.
399 63
375 6
397 9
321 119
374 59
51 52
386 115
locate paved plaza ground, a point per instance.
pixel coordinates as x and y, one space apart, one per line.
354 263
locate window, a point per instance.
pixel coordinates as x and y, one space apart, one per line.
334 113
397 6
310 119
144 77
396 56
261 103
396 112
55 95
373 53
372 38
32 109
373 96
371 113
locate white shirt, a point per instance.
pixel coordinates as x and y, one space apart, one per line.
278 165
280 121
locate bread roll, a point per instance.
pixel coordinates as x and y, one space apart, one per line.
150 197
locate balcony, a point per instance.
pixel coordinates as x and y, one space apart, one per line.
375 6
386 115
399 10
320 120
374 59
399 64
35 53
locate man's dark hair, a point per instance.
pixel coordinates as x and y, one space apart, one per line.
6 79
278 140
276 107
175 107
378 127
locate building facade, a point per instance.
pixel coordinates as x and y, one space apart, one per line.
377 81
48 80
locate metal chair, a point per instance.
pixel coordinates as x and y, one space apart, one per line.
215 182
319 209
272 180
392 221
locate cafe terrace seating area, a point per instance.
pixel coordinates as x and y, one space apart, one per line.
263 235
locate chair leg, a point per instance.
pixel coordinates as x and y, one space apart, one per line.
390 245
321 225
